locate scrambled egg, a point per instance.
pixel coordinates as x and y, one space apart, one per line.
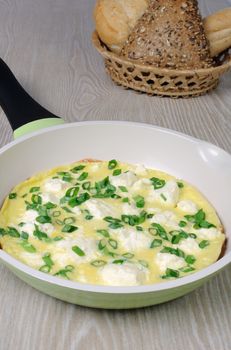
110 223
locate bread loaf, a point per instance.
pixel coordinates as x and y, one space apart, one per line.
170 34
115 20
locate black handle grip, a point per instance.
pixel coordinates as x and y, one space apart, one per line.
19 107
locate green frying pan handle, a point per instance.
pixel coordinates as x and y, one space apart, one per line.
23 112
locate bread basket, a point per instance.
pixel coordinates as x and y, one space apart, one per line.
159 81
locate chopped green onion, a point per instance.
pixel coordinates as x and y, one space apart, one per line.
65 176
139 228
102 244
39 234
79 200
190 259
56 213
77 250
160 231
67 210
140 203
187 269
45 268
71 193
112 164
118 261
115 196
24 235
104 233
156 243
177 252
180 184
113 243
34 189
64 272
150 216
113 222
43 219
203 244
59 222
123 189
86 185
178 236
50 205
171 273
83 176
12 195
128 255
125 200
69 221
98 263
28 247
2 232
89 217
116 172
134 220
47 260
13 232
57 238
69 228
143 263
157 183
78 168
182 223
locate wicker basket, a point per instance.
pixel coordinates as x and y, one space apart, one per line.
161 81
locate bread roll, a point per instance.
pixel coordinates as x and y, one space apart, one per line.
115 20
218 21
170 35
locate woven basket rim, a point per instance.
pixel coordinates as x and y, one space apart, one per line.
106 53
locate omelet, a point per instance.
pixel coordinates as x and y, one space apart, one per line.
110 223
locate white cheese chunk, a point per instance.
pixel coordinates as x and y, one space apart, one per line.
99 209
64 249
125 179
76 210
122 275
47 228
167 218
208 233
141 184
54 185
30 216
168 195
49 197
28 228
188 206
140 170
166 260
130 209
133 240
189 246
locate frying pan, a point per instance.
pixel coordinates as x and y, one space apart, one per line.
40 143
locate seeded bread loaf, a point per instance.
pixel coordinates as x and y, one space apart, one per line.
170 34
